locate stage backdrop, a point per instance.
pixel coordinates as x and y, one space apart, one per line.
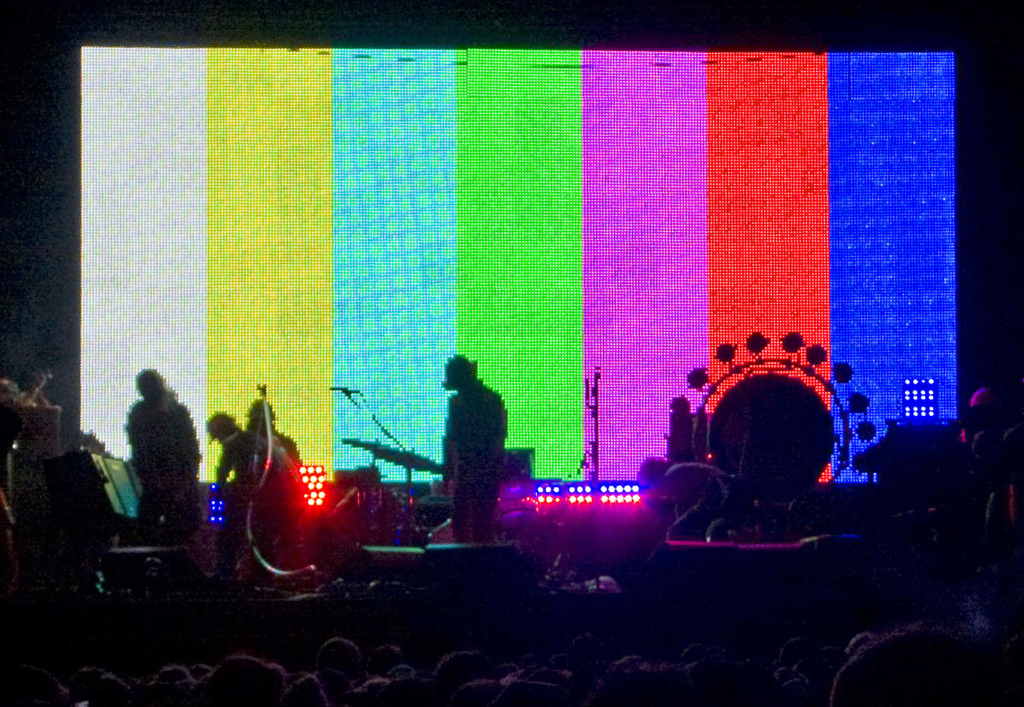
318 217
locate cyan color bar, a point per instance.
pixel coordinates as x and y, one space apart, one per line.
892 223
394 246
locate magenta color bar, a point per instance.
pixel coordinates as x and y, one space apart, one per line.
645 301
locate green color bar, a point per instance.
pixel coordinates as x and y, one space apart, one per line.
519 308
269 228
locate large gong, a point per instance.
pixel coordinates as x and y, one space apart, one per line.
774 432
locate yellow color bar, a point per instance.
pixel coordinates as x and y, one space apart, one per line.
269 257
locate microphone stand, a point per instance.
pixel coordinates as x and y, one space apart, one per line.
249 535
351 395
593 405
405 528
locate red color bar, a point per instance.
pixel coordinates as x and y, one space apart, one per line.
768 237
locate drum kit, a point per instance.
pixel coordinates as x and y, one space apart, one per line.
375 518
371 512
381 513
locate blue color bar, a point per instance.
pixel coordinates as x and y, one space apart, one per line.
892 223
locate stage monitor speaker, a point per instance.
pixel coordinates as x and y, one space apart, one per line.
391 558
378 563
86 498
469 568
150 569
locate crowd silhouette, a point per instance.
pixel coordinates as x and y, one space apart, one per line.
906 666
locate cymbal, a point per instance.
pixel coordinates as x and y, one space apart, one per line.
395 455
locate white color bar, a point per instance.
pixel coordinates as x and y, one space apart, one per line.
143 231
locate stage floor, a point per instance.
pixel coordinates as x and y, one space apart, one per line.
141 624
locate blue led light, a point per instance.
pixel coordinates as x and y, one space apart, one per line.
919 390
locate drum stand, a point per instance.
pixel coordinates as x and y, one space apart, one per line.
405 533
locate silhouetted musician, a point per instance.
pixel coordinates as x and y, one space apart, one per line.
474 451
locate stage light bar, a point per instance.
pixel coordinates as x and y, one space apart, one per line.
621 498
581 495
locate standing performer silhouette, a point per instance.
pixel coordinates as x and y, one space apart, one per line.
165 452
474 451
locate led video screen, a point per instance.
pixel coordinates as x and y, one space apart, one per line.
344 217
